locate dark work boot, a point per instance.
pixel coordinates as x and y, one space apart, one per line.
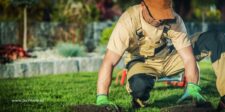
221 105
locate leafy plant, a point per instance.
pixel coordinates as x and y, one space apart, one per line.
70 50
106 34
76 11
206 11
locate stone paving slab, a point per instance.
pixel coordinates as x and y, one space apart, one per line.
36 67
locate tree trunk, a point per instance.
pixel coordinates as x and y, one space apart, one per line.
25 28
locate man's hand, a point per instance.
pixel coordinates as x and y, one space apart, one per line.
192 90
102 100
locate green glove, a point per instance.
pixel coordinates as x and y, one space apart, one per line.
102 100
192 90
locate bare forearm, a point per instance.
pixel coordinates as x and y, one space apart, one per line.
191 71
104 78
105 73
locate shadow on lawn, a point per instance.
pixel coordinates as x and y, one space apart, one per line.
165 102
165 87
28 105
210 89
94 108
208 85
212 80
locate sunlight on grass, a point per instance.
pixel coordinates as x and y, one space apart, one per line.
58 92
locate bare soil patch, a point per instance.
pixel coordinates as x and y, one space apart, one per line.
95 108
203 107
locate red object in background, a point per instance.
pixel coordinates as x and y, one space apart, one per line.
123 78
11 52
177 83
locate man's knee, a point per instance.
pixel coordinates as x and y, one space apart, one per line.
141 85
210 43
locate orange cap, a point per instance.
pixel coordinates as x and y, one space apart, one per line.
160 9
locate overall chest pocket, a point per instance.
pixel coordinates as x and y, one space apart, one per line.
146 46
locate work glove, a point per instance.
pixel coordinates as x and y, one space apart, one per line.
192 90
102 100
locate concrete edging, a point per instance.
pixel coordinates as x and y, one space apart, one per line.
37 67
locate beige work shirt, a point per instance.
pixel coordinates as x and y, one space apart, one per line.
123 34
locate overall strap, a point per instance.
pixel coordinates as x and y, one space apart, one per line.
138 32
134 13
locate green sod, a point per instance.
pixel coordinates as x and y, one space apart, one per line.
59 92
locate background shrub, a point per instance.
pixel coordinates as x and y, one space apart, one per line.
70 49
106 34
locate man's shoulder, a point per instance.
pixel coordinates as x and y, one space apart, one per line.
178 18
177 23
130 16
133 10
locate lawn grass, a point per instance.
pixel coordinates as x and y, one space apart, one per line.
58 92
